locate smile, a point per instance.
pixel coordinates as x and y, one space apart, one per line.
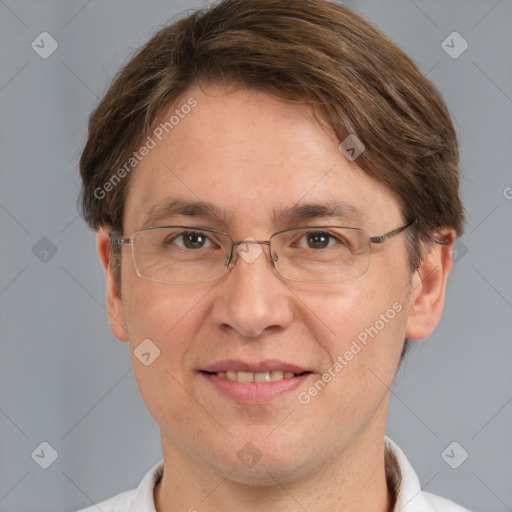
266 376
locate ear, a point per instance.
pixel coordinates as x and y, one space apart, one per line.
428 289
115 308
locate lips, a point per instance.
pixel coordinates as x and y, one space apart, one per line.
267 376
270 370
268 365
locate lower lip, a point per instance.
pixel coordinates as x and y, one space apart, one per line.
255 392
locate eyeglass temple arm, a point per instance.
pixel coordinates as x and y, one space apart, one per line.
390 234
114 238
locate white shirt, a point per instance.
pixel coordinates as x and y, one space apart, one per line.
410 496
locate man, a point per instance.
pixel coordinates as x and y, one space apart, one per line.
274 187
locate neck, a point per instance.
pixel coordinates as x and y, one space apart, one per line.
354 481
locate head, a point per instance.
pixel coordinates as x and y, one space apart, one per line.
244 106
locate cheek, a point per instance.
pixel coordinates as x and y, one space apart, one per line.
358 310
165 313
172 322
362 334
363 355
162 320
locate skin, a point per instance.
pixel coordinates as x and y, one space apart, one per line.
249 153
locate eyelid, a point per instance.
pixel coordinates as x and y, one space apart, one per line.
214 237
302 233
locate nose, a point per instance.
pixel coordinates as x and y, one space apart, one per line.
252 299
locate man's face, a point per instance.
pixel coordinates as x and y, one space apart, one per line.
250 155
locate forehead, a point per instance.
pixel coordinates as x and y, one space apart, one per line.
251 158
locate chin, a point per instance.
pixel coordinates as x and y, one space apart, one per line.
268 473
263 463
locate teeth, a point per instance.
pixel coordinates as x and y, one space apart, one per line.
276 375
261 377
245 377
231 375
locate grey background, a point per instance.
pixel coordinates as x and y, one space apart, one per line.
66 380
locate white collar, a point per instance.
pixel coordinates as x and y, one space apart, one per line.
411 498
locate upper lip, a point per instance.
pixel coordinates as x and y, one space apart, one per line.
252 367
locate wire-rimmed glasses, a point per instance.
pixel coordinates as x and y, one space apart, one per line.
188 254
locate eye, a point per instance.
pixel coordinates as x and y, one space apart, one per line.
318 240
189 240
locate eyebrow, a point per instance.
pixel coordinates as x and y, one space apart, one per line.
298 213
309 211
172 207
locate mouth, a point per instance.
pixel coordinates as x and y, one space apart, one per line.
260 377
254 383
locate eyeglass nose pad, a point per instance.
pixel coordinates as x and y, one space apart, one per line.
230 260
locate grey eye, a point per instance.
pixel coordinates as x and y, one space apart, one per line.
190 240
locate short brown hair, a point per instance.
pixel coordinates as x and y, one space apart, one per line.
312 51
